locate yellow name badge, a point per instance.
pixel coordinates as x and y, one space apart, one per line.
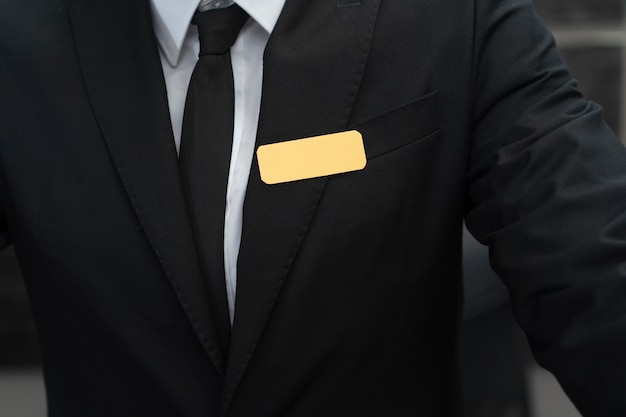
312 157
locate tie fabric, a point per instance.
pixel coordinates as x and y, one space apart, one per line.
206 147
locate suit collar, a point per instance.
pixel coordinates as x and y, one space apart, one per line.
313 64
123 77
171 20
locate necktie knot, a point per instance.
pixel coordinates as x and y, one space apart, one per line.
218 29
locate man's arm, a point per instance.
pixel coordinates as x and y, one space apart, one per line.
547 193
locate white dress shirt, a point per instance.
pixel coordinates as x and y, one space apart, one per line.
179 45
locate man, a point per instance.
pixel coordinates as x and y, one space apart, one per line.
344 288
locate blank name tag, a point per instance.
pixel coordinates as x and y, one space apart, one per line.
317 156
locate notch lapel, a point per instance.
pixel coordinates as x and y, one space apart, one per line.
119 58
313 66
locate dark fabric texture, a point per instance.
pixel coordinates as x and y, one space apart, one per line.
349 289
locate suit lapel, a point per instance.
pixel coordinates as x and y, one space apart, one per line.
313 65
121 68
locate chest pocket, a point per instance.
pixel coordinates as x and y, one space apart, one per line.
401 126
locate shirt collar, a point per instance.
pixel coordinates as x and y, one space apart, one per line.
171 20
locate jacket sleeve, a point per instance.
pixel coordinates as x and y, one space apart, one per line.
4 233
547 194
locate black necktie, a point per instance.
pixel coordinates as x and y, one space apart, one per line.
206 147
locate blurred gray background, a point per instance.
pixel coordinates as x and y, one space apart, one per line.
500 376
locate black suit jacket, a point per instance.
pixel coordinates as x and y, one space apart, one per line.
349 292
